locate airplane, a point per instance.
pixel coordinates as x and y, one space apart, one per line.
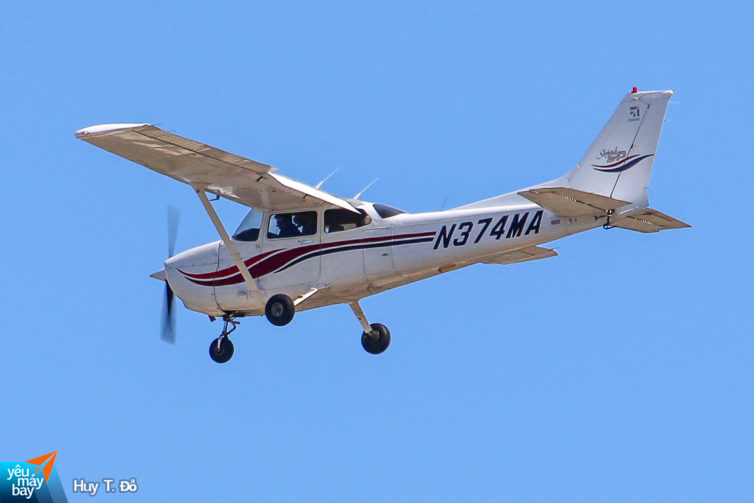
301 248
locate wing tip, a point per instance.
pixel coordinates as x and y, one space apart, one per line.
105 128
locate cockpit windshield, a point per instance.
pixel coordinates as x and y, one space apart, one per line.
249 228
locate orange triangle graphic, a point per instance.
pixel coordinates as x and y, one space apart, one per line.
49 458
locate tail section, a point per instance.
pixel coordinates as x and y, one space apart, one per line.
619 162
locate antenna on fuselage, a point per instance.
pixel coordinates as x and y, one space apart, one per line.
358 195
327 178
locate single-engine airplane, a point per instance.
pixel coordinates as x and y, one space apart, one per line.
299 247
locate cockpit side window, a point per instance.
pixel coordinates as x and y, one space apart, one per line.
344 220
288 225
248 230
385 211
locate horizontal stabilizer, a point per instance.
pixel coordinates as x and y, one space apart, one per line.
566 202
649 220
522 255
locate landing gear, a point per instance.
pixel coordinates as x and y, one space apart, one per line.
221 349
279 310
376 340
376 337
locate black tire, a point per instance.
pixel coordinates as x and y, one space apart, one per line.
378 341
223 353
279 310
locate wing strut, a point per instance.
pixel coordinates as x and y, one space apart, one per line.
228 243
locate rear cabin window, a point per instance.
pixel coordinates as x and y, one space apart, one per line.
385 211
344 220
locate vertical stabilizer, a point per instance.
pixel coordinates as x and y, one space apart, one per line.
619 162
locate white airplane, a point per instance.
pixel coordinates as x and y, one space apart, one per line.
300 248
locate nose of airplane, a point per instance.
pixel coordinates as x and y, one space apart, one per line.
189 275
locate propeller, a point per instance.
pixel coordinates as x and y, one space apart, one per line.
167 333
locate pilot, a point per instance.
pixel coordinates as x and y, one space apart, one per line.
285 225
306 224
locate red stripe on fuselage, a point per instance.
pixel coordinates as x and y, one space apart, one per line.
281 259
229 270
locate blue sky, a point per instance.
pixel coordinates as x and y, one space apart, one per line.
618 371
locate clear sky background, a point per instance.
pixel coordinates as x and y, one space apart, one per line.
619 371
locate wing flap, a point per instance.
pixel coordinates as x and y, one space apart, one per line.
649 220
521 255
204 167
566 202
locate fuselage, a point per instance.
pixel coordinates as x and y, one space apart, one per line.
346 265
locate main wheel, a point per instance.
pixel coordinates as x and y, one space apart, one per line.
223 353
279 310
377 341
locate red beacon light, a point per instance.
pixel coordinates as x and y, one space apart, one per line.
635 90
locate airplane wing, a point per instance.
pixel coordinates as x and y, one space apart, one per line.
521 255
203 167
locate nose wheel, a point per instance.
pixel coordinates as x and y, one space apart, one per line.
221 349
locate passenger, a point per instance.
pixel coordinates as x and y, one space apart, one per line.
306 223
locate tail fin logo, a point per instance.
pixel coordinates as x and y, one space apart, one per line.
611 155
622 164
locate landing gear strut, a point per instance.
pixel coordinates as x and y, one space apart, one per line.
375 338
221 349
